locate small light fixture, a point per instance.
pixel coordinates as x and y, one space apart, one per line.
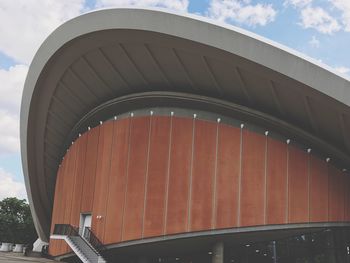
218 120
132 114
172 113
89 128
266 133
209 253
194 115
247 245
288 141
242 125
100 122
115 118
257 250
328 159
151 112
79 134
309 150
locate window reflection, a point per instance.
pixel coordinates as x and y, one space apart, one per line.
327 246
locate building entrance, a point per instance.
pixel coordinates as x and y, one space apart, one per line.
85 222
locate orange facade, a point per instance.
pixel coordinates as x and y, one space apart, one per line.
157 175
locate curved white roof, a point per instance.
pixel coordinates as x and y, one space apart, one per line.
111 53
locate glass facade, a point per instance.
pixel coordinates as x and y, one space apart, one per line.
327 246
331 245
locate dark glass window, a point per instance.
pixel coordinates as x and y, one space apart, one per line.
326 246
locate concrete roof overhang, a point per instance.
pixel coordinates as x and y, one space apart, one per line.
118 53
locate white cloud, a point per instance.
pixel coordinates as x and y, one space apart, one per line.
344 7
9 187
9 133
177 5
298 3
24 24
12 81
314 42
242 11
317 18
342 70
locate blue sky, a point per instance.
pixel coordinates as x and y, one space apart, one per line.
318 28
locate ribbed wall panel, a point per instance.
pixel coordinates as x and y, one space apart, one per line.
253 185
117 181
276 182
90 170
298 185
177 207
101 182
227 177
318 190
54 248
158 175
136 179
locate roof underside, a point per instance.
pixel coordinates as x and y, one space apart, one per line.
87 69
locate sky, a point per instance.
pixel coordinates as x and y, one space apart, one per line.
319 29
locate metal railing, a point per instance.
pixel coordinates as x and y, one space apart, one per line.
93 240
66 230
86 233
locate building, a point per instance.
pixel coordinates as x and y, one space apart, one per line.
180 140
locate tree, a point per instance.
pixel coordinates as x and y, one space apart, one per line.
16 223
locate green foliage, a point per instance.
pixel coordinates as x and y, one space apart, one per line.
16 223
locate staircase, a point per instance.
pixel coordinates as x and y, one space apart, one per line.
88 248
83 250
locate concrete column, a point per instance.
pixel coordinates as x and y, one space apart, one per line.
38 245
274 252
218 253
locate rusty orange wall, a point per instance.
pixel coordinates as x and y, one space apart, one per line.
157 175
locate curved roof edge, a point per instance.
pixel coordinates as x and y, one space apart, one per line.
233 28
191 27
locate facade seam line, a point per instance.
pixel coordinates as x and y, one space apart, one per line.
127 178
166 201
146 176
214 197
240 179
265 179
190 179
109 177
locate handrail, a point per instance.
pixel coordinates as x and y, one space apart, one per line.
66 230
94 241
87 236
